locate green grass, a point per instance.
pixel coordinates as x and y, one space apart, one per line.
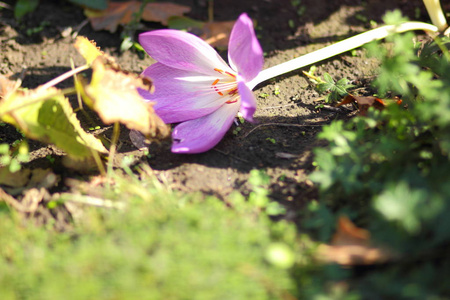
163 245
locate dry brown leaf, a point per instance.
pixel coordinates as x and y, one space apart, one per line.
217 34
161 12
113 94
121 13
8 86
351 245
365 102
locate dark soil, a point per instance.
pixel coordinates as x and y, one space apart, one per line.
281 141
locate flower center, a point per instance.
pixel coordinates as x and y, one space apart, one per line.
226 86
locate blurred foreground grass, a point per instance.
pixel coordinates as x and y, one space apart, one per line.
163 245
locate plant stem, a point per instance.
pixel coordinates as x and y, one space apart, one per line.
436 14
63 77
112 149
338 48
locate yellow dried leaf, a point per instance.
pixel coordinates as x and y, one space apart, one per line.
113 94
89 50
46 115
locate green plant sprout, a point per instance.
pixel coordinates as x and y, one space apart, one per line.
259 196
276 91
237 130
272 140
335 90
42 25
13 158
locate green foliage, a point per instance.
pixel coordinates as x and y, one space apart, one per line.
389 171
23 7
161 246
259 195
94 4
13 159
335 90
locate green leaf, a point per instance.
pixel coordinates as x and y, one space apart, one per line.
23 7
94 4
184 23
394 17
47 116
328 78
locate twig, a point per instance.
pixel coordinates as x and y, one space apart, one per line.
277 106
279 124
233 156
94 201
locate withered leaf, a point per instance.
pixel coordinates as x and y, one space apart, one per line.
217 34
89 50
121 13
351 245
8 86
113 94
46 115
365 102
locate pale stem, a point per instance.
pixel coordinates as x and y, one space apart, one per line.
338 48
436 14
63 77
112 149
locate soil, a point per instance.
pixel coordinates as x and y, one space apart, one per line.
288 116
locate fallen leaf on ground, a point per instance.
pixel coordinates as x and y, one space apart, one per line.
365 102
113 94
46 115
121 13
8 86
217 34
351 245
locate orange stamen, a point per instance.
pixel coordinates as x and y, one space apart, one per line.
232 92
232 75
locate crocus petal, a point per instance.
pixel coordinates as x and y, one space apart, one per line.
182 50
248 101
202 134
181 95
244 51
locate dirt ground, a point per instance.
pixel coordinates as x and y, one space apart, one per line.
288 121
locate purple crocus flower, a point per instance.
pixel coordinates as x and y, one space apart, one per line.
196 88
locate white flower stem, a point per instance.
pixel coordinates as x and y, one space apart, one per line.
338 48
63 77
436 14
